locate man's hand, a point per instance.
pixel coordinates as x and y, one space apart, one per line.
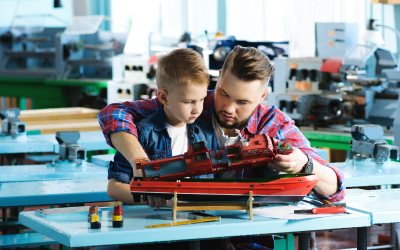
291 163
295 161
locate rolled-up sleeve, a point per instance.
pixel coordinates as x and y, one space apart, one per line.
288 131
118 117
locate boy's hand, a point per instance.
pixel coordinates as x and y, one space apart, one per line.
156 202
291 163
138 172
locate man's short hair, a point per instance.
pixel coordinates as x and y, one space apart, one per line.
181 67
248 64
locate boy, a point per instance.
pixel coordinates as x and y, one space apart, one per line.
182 81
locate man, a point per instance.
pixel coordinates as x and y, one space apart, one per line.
234 106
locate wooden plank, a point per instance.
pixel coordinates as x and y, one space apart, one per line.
57 114
53 128
211 207
32 123
386 1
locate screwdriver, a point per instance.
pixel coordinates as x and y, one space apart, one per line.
321 210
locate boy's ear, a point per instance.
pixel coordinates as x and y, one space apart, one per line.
162 95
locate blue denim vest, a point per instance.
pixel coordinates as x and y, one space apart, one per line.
154 138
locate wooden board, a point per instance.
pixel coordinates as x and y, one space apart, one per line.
51 128
49 121
386 1
57 114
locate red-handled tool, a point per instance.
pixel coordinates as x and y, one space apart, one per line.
321 210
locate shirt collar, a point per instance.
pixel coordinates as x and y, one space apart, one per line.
159 120
252 123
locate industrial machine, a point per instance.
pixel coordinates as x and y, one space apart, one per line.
69 149
367 142
359 85
33 55
221 46
10 124
133 78
81 50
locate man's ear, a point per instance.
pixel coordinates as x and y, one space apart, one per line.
264 94
162 95
219 73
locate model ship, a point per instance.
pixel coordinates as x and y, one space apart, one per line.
274 189
199 160
165 176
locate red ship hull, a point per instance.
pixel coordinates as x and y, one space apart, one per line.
275 189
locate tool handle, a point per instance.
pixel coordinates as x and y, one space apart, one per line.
328 210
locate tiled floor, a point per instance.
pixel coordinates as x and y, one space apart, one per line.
347 238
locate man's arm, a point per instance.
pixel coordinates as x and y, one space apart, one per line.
331 185
331 180
129 146
118 117
293 163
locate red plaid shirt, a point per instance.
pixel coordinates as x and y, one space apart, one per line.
269 120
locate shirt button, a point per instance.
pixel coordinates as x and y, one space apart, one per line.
169 147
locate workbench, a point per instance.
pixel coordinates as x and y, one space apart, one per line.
362 174
44 172
46 192
381 205
93 140
71 229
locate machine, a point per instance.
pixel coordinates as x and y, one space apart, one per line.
361 87
81 50
367 142
10 124
69 149
221 47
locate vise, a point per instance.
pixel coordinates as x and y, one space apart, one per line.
10 124
69 148
367 142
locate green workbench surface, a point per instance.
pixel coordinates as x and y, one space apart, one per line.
48 93
334 140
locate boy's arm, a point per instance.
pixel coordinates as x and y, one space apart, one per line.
118 117
129 146
119 191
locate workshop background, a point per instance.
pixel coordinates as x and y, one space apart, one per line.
62 61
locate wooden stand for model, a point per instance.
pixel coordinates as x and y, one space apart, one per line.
199 206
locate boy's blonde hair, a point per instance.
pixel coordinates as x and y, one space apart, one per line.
181 67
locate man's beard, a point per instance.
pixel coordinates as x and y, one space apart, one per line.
235 125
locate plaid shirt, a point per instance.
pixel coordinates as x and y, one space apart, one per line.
269 120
